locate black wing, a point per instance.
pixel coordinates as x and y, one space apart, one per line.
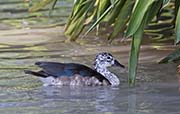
65 69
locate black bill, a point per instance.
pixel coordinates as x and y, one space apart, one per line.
116 63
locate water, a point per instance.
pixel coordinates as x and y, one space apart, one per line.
14 14
145 99
157 90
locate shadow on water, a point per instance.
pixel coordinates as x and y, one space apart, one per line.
157 90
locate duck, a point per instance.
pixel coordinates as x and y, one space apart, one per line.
58 74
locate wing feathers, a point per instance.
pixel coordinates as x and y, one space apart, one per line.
65 69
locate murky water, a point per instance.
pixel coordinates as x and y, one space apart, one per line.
157 90
145 99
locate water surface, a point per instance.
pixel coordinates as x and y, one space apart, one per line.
156 92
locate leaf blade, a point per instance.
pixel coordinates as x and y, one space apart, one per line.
121 19
135 49
137 16
171 57
177 28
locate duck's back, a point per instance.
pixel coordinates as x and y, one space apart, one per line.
66 69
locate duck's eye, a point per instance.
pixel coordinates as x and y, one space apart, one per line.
108 57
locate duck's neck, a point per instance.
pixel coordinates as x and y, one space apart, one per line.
113 79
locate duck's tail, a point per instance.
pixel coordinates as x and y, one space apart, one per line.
38 74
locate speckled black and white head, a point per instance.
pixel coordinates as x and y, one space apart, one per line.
104 60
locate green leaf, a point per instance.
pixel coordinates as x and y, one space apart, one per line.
99 19
156 7
177 28
134 55
80 8
135 49
113 14
76 22
121 19
177 4
102 6
83 9
172 57
165 2
138 16
112 2
75 29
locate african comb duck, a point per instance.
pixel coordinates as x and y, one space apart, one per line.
54 73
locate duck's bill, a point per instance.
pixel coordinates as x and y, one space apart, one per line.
116 63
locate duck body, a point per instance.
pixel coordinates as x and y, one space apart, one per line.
64 72
54 73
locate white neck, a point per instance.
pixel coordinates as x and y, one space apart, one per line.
113 79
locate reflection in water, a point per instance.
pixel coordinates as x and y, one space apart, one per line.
106 96
132 102
94 99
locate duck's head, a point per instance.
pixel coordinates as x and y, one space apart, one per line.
104 60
